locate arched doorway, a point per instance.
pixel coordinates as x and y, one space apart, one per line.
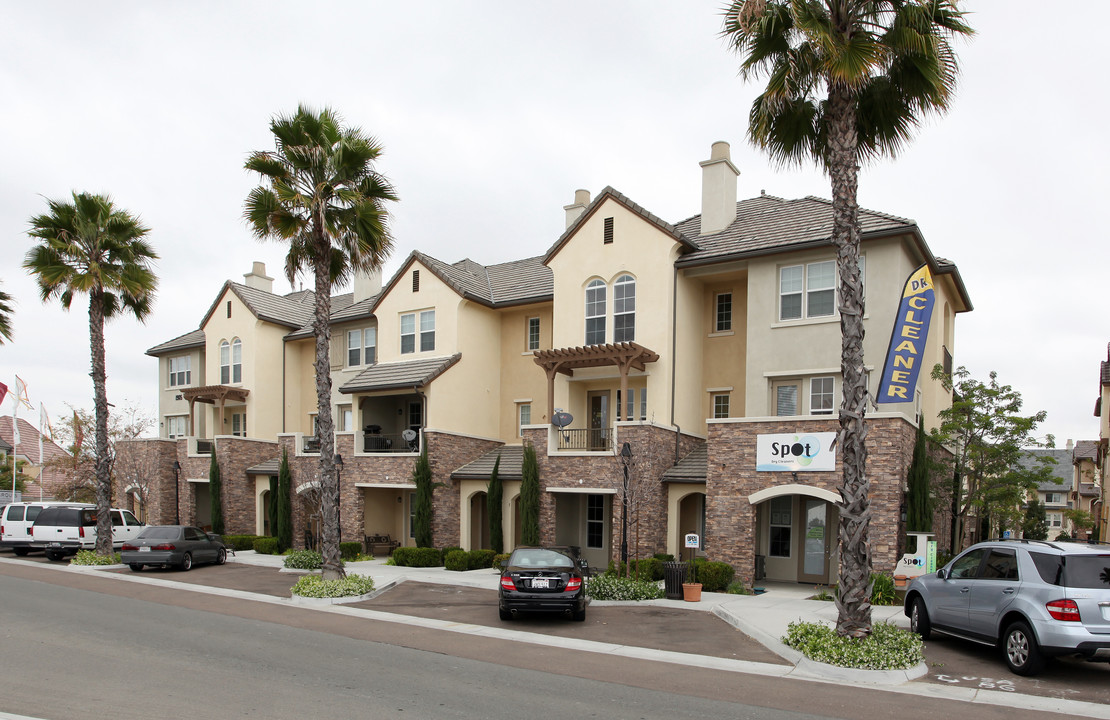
795 534
479 521
691 519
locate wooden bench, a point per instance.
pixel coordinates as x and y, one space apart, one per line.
374 543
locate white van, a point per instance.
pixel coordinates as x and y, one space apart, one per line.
16 521
63 530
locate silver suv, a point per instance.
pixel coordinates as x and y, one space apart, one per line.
1036 599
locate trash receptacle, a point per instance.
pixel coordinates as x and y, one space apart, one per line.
674 574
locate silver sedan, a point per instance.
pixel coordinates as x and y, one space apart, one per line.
173 545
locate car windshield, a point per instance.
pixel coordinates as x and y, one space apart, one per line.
161 533
537 557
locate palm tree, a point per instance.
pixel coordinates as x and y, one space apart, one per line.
848 80
5 316
91 246
323 197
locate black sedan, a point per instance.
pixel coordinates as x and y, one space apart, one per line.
176 545
543 579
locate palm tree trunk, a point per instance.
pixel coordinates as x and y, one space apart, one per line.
100 403
854 595
325 426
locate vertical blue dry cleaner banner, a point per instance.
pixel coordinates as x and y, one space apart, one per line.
907 340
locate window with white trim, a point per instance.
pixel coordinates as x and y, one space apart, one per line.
354 348
807 291
225 362
624 309
1055 519
723 312
781 522
1054 498
534 333
595 521
239 424
524 417
643 403
236 360
820 396
344 419
370 346
786 399
177 426
721 405
427 331
595 312
180 370
362 346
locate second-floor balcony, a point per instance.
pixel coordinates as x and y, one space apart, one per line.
584 439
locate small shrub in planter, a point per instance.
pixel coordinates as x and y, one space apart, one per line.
647 569
315 586
737 587
444 551
266 546
457 560
882 590
88 557
350 550
479 559
887 648
303 560
417 557
610 587
715 576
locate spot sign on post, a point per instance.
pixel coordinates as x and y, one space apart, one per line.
692 541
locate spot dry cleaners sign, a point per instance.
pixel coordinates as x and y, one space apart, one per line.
794 452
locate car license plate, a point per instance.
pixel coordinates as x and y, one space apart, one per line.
540 583
144 548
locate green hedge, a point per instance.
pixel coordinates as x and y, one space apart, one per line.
715 576
480 559
303 559
444 551
417 557
502 558
609 587
350 550
240 542
265 545
458 560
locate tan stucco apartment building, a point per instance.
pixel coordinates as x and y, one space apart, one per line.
694 342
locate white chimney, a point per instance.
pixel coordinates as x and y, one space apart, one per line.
257 278
1070 444
575 209
718 190
367 284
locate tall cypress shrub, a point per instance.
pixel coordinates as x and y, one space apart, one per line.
216 491
529 498
283 524
494 494
919 499
422 477
271 508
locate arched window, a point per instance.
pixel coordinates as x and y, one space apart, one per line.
236 360
225 362
624 309
595 313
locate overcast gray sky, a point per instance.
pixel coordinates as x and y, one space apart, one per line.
491 115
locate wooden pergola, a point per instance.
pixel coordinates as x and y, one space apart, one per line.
213 395
626 356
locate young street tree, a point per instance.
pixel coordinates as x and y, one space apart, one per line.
529 498
848 81
987 435
494 494
325 200
91 246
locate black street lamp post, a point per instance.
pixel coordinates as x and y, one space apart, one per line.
176 492
626 456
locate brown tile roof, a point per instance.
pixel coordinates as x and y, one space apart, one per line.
187 341
1085 450
293 310
512 460
395 376
690 469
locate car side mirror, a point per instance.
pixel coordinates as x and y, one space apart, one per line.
941 574
502 564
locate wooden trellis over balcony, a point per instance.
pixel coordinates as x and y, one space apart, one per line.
213 395
625 355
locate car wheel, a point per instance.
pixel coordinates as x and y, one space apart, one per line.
505 614
135 567
21 552
1022 654
221 557
55 556
186 561
919 619
578 615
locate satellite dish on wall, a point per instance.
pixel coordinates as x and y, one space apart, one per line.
409 436
561 419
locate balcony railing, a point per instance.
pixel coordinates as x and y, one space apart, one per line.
399 443
587 439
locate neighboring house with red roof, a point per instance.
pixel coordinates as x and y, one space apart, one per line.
45 483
